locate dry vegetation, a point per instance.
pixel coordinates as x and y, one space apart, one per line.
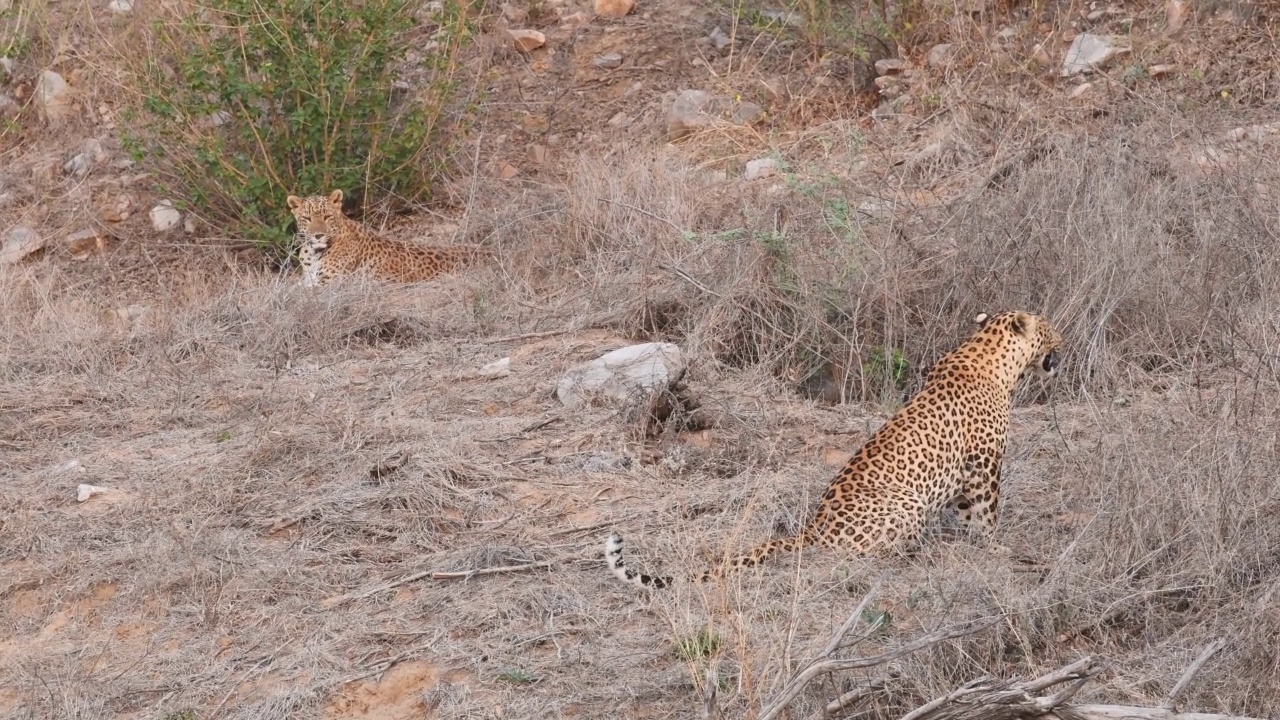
291 468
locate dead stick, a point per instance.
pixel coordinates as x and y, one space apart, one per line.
851 697
434 575
1189 674
525 336
973 686
797 684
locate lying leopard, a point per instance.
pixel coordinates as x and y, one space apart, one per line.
330 244
942 449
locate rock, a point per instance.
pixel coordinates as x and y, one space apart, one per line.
189 225
508 171
6 64
1088 52
84 491
1041 56
1079 90
165 217
577 19
622 374
537 153
1007 33
514 13
120 210
53 96
613 8
607 61
120 6
939 54
527 40
890 66
81 163
20 242
83 243
9 108
786 17
719 38
496 369
761 168
695 109
1175 16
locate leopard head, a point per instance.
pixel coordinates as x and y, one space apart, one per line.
318 218
1033 334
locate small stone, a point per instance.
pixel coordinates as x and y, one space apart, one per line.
84 243
613 8
1175 16
695 109
618 119
939 54
85 491
1089 52
508 171
1079 90
537 153
6 65
1007 33
1156 71
1120 401
889 66
20 242
607 61
165 217
761 168
1041 56
189 225
496 369
53 96
9 108
577 19
1095 15
719 38
514 13
527 40
120 6
120 210
747 113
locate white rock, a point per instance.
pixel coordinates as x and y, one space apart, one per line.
53 96
607 61
165 217
68 466
939 54
120 6
1088 52
889 66
21 242
496 369
761 168
6 64
719 38
84 491
621 374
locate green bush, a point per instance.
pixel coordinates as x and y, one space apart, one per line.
242 102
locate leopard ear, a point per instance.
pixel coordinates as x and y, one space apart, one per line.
293 201
1020 323
335 198
982 319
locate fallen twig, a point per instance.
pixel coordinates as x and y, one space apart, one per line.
1189 674
525 336
434 575
824 667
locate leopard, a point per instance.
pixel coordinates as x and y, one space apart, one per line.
331 245
942 450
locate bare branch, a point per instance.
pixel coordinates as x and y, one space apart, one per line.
824 667
1189 674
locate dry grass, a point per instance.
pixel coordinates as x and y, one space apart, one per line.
238 421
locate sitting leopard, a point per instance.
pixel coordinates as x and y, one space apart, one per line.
942 449
331 244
